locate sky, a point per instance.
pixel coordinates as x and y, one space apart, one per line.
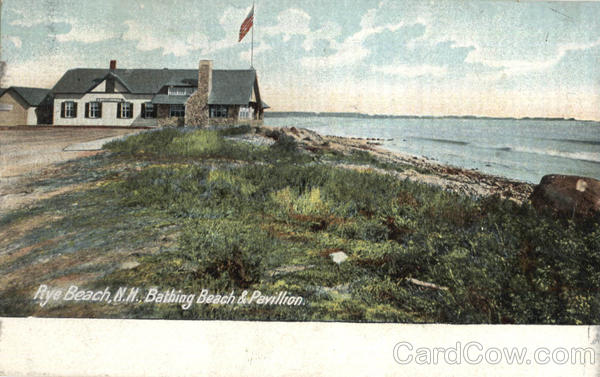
459 57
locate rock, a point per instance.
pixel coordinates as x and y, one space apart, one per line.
425 284
129 265
342 290
338 257
288 269
567 195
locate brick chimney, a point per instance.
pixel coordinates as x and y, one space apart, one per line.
110 82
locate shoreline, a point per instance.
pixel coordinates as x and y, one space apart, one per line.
420 169
307 114
19 192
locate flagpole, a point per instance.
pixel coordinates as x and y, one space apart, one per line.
252 43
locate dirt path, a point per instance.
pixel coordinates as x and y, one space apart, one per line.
26 152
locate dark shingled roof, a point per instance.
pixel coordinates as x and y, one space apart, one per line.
165 99
138 81
229 87
232 87
33 96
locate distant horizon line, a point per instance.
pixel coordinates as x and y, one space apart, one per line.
283 114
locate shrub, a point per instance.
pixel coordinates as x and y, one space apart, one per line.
309 203
162 187
229 183
285 144
197 143
231 252
233 131
360 192
373 230
153 142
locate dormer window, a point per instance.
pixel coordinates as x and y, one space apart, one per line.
180 90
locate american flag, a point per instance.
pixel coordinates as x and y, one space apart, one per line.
247 24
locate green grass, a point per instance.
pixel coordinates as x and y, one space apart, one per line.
246 213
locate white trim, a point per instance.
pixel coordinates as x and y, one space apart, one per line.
70 110
180 90
94 110
109 110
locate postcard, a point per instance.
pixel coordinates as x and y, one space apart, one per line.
360 167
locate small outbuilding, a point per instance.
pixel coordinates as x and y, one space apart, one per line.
20 106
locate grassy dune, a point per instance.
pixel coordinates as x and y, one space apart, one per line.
197 210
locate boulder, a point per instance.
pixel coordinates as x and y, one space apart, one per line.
567 195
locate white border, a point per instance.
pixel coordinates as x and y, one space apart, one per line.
99 347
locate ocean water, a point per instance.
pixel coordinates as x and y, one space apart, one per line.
524 150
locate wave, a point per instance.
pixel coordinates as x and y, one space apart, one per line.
577 141
592 157
443 141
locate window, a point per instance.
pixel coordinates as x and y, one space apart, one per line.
246 112
177 110
148 110
125 110
68 109
180 90
93 110
218 111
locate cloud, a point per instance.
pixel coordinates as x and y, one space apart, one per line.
86 33
16 41
296 22
352 49
152 37
290 22
411 70
521 66
500 42
42 71
258 49
27 20
328 32
149 38
230 22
